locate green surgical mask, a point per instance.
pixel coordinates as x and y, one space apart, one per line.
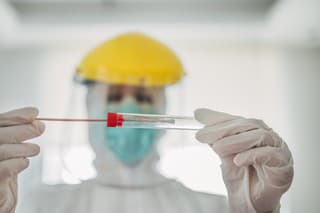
130 145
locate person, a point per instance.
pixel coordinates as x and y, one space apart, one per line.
129 73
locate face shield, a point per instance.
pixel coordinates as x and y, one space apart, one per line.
86 150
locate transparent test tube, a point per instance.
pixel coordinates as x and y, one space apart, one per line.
151 121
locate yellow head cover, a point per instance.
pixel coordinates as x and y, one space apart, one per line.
132 59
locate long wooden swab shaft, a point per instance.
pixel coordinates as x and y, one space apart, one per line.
71 119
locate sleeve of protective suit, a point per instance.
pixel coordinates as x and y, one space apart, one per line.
16 127
257 165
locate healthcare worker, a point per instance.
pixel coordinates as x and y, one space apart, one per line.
128 74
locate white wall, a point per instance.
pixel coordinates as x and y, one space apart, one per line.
301 77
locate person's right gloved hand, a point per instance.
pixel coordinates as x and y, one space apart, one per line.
15 127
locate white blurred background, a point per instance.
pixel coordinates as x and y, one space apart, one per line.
256 58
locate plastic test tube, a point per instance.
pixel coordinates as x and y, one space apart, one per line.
129 120
151 121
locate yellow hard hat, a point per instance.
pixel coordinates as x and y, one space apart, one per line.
132 59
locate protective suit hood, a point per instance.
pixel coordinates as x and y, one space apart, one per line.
112 172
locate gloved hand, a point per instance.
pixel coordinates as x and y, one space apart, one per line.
15 127
257 166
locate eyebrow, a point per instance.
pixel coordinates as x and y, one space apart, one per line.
141 89
115 88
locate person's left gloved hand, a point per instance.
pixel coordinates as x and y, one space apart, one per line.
257 165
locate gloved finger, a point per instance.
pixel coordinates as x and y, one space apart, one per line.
8 195
244 141
211 134
210 117
8 151
17 134
12 167
18 116
270 156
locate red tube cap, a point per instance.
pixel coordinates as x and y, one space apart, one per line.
114 119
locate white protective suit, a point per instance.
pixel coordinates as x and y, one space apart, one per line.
118 188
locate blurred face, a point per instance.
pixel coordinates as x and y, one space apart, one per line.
101 95
128 145
152 96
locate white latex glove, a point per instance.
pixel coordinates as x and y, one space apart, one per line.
15 127
257 166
